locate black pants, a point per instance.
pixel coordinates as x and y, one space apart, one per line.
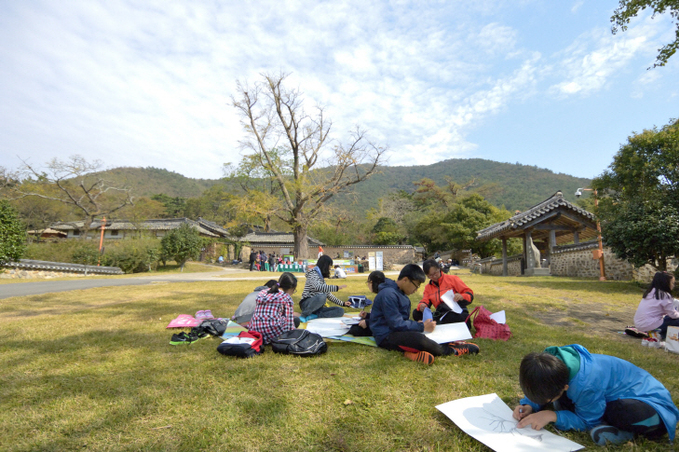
413 341
443 317
630 415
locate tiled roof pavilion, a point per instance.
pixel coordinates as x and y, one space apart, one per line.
554 221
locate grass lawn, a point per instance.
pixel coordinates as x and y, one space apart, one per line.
93 370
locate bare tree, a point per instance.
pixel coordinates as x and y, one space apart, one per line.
77 184
277 124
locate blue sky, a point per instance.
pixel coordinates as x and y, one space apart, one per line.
149 83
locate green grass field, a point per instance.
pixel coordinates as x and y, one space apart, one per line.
93 370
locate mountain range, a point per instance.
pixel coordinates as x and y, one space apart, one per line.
512 185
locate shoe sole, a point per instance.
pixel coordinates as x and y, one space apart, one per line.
420 357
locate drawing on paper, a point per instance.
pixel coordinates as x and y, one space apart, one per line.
489 420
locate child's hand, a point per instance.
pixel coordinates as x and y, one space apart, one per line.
347 303
522 411
429 326
538 420
362 324
343 286
362 314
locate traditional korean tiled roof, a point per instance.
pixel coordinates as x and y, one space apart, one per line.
276 238
28 264
542 209
164 224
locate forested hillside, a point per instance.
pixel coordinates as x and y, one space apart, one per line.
150 181
515 186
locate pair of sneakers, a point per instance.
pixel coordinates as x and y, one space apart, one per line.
603 434
204 315
183 339
458 349
652 342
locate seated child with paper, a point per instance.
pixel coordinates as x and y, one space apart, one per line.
392 329
612 398
363 328
449 295
273 314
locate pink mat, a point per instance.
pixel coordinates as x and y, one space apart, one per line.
184 321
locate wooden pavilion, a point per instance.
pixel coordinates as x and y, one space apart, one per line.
552 222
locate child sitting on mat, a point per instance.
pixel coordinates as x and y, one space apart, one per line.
656 309
610 397
392 329
274 309
363 328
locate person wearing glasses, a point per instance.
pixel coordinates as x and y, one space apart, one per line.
392 328
440 284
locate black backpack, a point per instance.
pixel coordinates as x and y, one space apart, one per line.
299 342
246 345
214 327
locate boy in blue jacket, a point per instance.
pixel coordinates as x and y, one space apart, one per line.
612 398
394 331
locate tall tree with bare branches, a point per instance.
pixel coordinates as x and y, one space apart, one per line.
76 183
312 167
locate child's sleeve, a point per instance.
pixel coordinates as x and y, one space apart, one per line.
589 411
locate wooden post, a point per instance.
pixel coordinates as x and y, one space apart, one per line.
504 256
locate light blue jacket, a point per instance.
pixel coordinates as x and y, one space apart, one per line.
602 379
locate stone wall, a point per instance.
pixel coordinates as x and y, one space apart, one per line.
576 260
17 273
394 256
493 266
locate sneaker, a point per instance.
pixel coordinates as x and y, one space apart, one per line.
603 434
464 348
420 357
208 314
200 315
181 339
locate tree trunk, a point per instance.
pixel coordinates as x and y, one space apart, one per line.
301 242
87 224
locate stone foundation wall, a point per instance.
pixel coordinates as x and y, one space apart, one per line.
576 260
394 256
493 266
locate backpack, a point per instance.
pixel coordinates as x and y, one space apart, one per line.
246 345
213 327
488 328
359 301
299 342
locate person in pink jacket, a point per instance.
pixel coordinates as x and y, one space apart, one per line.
656 309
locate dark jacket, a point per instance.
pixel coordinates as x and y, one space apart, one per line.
390 312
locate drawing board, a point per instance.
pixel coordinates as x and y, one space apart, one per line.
489 420
450 332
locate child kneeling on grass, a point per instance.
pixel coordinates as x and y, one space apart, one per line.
394 331
273 314
612 398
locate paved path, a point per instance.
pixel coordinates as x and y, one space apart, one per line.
42 287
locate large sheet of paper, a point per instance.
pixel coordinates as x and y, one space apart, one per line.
489 420
499 317
328 327
449 299
450 332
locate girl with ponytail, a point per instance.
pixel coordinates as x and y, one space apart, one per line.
274 309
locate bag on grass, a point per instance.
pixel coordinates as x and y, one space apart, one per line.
488 328
214 327
672 339
299 342
246 345
359 301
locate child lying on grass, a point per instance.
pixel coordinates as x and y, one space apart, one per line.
612 398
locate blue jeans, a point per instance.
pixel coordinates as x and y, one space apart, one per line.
667 321
316 305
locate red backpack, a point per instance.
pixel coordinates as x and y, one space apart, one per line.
246 345
488 328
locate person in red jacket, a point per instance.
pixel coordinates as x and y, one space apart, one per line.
439 284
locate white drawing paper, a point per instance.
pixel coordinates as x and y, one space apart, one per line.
449 332
489 420
328 327
499 317
448 298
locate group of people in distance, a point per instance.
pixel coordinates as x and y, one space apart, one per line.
568 386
